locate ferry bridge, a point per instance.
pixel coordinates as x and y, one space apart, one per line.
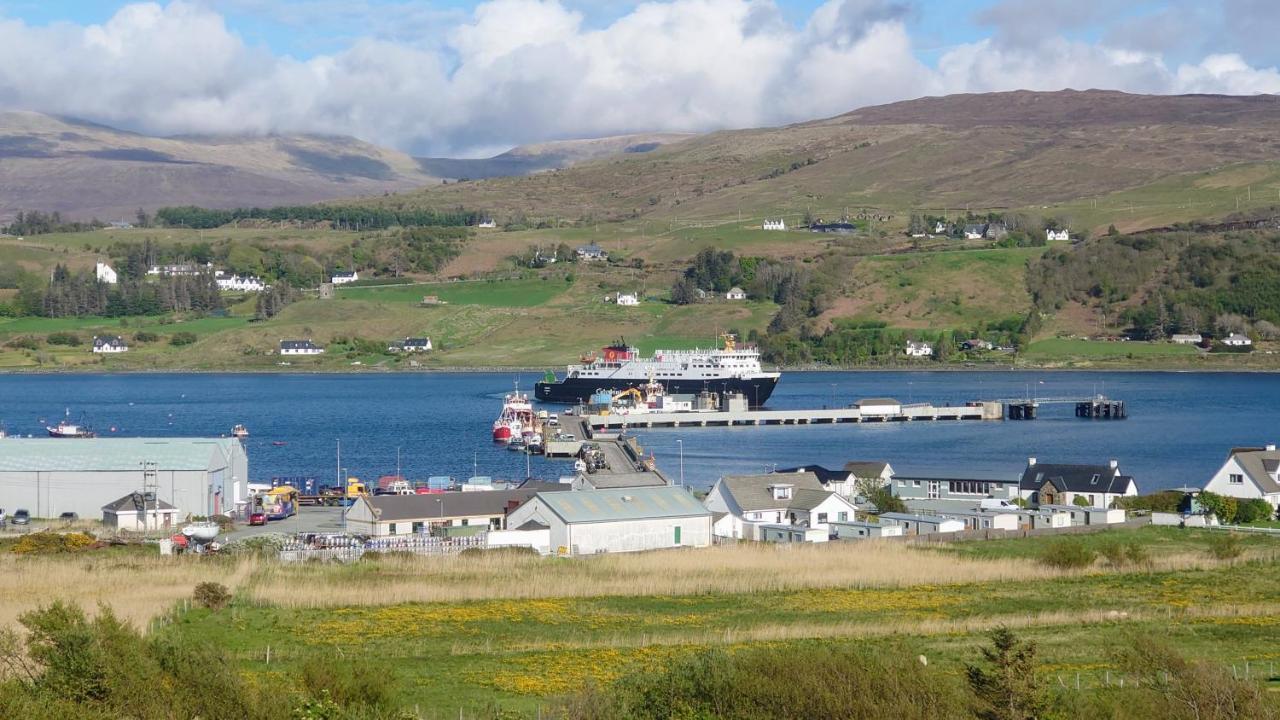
1098 406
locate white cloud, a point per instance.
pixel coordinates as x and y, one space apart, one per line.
526 70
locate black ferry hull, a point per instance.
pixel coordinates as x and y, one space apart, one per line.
571 391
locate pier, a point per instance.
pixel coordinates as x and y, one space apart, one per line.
1098 407
864 412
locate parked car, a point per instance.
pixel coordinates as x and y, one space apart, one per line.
21 516
258 518
69 517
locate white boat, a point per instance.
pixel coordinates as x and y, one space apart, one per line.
202 532
239 431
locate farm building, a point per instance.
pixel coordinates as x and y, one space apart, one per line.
447 513
620 520
197 476
136 513
860 530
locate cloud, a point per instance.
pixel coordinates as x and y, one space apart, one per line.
514 71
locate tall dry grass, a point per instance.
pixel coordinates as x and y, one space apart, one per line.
744 568
138 588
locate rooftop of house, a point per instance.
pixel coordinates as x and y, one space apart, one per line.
585 506
451 504
127 504
1261 465
604 481
752 493
823 474
1075 478
866 468
297 344
807 500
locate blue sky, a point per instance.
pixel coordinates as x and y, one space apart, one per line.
468 77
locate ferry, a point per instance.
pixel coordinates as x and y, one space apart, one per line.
732 368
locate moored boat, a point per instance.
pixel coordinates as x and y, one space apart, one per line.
239 431
67 429
516 417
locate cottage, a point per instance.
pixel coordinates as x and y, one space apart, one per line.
619 520
178 270
1188 339
627 299
775 499
591 252
105 274
1237 340
300 347
919 349
239 283
970 487
1052 235
975 232
779 224
736 293
342 277
109 345
487 224
1098 485
410 345
878 407
137 512
922 524
940 228
976 344
1249 473
873 472
995 231
839 228
443 513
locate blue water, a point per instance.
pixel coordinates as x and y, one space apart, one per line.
1180 428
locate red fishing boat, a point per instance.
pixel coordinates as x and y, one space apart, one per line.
516 418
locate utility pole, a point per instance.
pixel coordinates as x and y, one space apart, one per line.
150 494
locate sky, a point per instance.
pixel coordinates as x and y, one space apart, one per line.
470 78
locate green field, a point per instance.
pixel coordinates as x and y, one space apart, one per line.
494 293
1062 348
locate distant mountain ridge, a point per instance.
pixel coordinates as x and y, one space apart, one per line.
530 159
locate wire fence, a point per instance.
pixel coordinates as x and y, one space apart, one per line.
305 548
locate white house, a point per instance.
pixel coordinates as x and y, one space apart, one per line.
1188 339
487 223
300 347
105 274
1057 235
875 471
736 293
940 228
1249 473
239 283
342 277
588 522
627 299
922 524
178 270
775 499
779 224
591 252
410 345
1237 340
109 344
135 513
919 349
1051 484
975 232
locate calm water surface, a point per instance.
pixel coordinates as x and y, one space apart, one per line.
1180 428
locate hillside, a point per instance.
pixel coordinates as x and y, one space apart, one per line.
996 150
530 159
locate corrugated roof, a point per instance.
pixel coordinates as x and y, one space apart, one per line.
606 481
448 505
112 454
585 506
751 492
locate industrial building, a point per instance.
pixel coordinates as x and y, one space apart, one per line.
587 522
46 476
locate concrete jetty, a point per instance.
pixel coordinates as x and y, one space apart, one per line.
866 411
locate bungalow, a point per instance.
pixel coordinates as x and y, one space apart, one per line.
342 277
1089 515
410 345
109 345
940 228
919 349
840 482
922 524
134 513
621 520
300 347
1237 340
487 223
955 487
239 283
736 293
105 274
779 224
839 228
776 499
445 513
976 344
627 299
1052 235
875 472
1099 485
862 530
1248 473
975 232
1188 339
591 252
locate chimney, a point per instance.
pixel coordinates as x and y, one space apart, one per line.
1031 462
1115 464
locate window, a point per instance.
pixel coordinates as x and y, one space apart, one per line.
842 517
392 529
915 483
1091 502
465 522
1235 479
417 527
1094 479
822 518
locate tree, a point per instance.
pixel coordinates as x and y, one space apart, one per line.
684 292
1222 506
1080 501
1112 231
1006 686
879 494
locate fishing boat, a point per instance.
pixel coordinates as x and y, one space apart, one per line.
516 417
239 431
67 429
534 444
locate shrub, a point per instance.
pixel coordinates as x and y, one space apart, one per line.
1119 554
348 685
179 339
1255 510
144 336
51 543
26 342
1068 555
63 338
1005 685
211 595
1225 546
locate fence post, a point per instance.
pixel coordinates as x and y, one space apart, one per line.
268 655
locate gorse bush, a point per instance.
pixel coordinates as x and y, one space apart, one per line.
47 543
1068 555
63 338
211 595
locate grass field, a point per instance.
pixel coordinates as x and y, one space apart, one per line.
504 293
462 635
1067 349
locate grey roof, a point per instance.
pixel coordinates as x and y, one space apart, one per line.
909 517
1074 478
969 475
101 340
877 401
865 468
126 504
808 499
450 504
297 344
533 525
113 454
751 492
1259 464
823 474
605 481
587 506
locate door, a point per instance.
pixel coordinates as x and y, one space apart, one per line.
677 535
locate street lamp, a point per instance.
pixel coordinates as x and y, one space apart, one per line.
680 444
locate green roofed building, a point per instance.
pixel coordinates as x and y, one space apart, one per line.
47 476
586 522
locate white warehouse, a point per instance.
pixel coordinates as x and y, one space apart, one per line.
586 522
47 477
